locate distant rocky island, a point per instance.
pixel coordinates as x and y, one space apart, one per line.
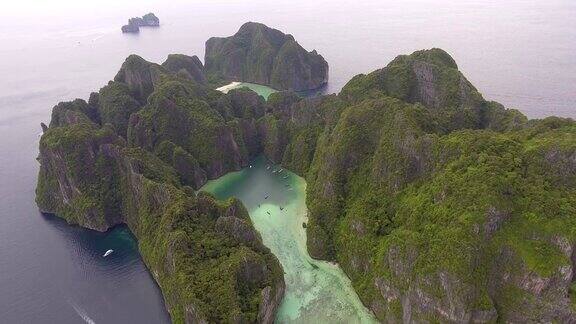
134 24
439 205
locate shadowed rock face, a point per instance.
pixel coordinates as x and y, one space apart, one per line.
150 19
130 28
140 76
259 54
188 65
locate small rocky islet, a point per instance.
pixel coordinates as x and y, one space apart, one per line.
134 24
438 204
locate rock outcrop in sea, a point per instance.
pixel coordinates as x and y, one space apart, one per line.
263 55
438 204
134 24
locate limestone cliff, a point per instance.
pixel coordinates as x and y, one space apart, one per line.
440 206
430 78
129 156
259 54
206 256
140 76
190 66
437 203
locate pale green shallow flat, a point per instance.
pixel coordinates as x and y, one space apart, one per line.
262 90
316 291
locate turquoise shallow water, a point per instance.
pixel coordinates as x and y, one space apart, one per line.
316 291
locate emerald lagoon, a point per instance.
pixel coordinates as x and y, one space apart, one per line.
316 291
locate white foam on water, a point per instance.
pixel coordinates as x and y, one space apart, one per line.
81 312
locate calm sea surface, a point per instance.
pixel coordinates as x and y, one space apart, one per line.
521 53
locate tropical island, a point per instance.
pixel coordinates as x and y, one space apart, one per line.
440 206
134 24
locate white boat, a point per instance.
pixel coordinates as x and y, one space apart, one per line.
108 253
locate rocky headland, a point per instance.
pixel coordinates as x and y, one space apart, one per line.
439 205
263 55
134 24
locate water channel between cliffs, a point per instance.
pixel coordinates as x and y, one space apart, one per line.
316 291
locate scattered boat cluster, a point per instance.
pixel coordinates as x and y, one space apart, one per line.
276 171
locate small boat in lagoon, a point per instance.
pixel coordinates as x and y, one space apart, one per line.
108 253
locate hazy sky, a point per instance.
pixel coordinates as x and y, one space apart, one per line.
520 52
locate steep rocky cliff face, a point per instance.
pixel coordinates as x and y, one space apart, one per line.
169 110
150 19
439 205
140 76
259 54
187 65
430 78
129 156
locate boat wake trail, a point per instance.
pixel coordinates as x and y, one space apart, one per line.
81 312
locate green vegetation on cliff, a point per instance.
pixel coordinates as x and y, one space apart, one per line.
443 199
116 105
439 205
72 146
190 66
206 255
